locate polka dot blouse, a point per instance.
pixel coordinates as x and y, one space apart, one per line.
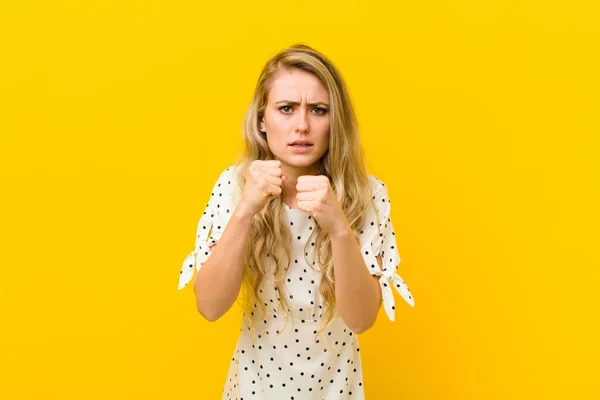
288 361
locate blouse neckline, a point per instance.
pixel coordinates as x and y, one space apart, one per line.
294 209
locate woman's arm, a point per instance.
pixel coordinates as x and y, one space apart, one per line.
357 292
218 281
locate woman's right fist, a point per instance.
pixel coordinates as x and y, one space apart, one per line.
263 182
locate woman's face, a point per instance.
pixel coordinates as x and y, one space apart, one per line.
297 109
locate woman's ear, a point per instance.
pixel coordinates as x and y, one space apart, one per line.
262 125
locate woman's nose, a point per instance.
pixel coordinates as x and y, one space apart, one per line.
302 121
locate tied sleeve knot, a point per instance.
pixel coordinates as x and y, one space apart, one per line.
195 259
390 278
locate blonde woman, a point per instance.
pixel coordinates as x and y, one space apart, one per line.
304 232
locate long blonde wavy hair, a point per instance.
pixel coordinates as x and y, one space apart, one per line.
343 163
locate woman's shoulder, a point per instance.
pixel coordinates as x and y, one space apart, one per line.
381 199
226 175
225 193
226 181
376 185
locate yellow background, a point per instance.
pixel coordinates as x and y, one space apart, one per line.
116 118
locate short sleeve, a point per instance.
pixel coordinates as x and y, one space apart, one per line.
383 242
210 227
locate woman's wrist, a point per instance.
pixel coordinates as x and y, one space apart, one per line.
242 212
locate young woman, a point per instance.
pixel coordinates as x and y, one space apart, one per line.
305 231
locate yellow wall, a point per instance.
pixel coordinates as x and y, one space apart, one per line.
480 116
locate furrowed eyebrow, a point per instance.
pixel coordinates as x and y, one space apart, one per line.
295 103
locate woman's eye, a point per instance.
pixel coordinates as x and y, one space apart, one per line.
320 111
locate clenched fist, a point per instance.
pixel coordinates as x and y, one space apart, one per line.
263 181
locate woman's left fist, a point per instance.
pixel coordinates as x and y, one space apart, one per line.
316 196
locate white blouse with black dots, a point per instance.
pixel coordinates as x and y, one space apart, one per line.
288 361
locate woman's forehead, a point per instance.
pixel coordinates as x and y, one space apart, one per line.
297 86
